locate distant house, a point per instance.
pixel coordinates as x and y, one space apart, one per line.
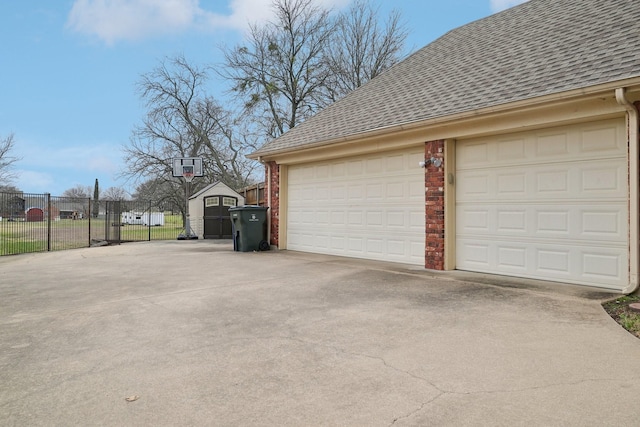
12 206
507 146
35 215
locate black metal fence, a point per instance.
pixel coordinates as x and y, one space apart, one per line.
134 221
41 222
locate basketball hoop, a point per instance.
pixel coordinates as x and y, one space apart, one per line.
188 173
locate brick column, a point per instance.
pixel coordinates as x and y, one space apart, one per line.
273 199
434 207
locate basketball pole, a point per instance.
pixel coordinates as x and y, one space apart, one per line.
187 219
187 222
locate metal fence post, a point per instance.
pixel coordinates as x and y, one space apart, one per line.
48 198
89 225
106 221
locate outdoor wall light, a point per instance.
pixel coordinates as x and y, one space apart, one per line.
432 161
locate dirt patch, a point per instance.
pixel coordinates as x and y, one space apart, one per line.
620 310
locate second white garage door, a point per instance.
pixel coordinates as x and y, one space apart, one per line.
547 204
366 207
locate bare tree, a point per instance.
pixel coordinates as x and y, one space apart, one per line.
280 72
305 59
9 189
79 196
79 192
361 49
7 145
115 193
165 194
183 121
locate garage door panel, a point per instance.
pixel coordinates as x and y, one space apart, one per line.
322 217
321 193
396 163
602 267
354 218
337 217
512 257
322 172
583 179
602 139
604 179
511 184
552 182
375 246
375 191
570 143
354 168
509 150
604 222
375 219
548 204
553 261
511 220
575 221
551 146
552 222
375 209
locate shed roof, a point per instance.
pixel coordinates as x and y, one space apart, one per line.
538 48
212 185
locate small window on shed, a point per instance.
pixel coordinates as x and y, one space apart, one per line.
212 201
229 201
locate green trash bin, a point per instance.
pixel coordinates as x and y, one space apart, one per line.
249 225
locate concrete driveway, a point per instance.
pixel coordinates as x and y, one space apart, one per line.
196 334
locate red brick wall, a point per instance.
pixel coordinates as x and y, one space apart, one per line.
434 207
274 199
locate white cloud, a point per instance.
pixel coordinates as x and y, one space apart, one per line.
243 12
51 169
499 5
33 181
96 156
115 20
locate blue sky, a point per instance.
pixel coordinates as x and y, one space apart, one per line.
68 70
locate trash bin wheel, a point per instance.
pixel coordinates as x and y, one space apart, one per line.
264 245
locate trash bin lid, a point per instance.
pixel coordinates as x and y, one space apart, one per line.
248 208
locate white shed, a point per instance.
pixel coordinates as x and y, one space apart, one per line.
209 211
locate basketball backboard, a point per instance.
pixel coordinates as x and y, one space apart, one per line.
187 164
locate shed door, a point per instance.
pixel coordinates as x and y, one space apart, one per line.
217 222
364 207
549 204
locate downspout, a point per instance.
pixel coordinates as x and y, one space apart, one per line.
634 194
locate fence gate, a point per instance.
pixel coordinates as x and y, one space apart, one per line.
113 221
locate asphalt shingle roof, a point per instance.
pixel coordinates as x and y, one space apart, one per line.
537 48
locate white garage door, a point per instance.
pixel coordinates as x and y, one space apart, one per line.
548 204
367 207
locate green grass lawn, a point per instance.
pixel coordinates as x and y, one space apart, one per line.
18 237
620 311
